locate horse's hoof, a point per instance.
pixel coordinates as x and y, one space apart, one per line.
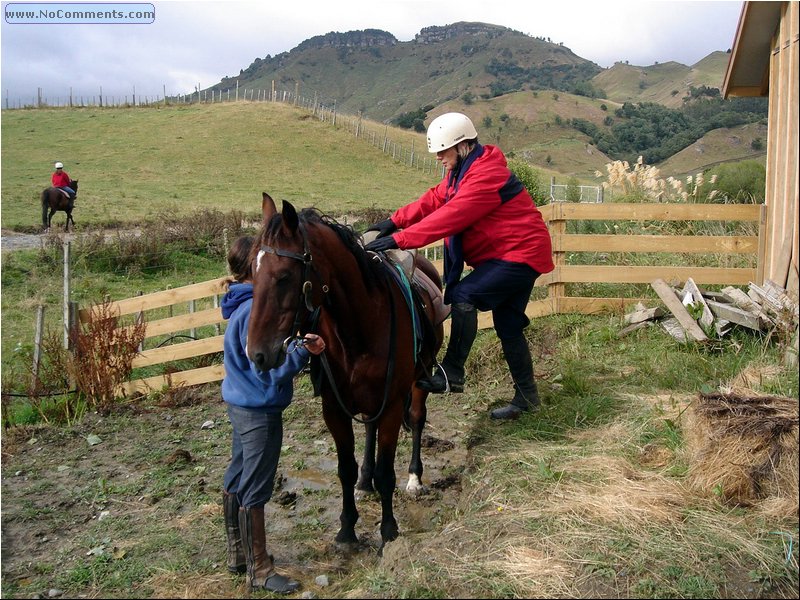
414 486
345 537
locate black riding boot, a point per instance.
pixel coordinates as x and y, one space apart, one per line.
520 364
237 563
261 573
449 376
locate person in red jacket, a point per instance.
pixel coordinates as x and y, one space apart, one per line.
490 222
61 180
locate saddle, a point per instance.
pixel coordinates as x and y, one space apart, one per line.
420 292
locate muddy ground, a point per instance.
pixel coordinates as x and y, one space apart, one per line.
141 489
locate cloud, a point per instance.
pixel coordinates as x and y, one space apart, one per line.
192 43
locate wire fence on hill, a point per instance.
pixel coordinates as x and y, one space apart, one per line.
320 107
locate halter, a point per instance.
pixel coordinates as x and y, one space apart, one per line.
305 288
305 293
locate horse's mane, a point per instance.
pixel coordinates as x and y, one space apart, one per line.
371 270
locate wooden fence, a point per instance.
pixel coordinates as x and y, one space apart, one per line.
722 248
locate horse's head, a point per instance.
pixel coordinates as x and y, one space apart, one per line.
73 183
280 268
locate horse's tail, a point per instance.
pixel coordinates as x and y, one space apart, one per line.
45 208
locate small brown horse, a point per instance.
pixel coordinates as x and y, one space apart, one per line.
312 275
53 199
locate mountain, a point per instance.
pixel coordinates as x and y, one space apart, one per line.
536 99
371 71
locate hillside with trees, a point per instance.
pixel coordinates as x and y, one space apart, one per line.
531 95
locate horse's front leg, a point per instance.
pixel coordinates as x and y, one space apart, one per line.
418 415
341 427
385 478
367 472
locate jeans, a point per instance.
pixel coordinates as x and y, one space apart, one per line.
502 287
256 448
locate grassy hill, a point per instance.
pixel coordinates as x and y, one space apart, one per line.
718 146
133 163
667 83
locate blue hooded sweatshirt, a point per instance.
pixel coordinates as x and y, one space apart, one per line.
243 384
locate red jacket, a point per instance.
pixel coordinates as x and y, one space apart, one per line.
513 230
60 179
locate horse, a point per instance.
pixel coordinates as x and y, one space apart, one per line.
311 274
53 199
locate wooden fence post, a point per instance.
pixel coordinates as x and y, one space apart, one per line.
762 245
37 339
66 284
140 319
558 227
74 324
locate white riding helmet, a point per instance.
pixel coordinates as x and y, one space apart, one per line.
446 130
59 165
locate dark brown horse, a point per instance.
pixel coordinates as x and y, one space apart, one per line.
312 275
53 199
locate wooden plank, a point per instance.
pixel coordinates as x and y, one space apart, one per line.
644 314
678 310
656 243
613 211
633 327
741 299
690 288
191 377
646 274
165 297
209 316
156 356
593 306
675 329
735 315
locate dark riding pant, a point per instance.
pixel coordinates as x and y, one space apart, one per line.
69 190
502 287
256 448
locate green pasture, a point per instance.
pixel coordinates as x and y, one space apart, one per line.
134 163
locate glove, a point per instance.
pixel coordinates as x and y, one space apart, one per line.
381 244
383 228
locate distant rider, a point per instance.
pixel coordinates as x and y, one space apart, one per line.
62 181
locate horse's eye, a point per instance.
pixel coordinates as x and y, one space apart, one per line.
283 278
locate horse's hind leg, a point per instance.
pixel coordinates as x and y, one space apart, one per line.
70 220
418 414
341 429
367 472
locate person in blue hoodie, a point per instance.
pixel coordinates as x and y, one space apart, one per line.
256 401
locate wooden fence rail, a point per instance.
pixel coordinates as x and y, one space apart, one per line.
557 215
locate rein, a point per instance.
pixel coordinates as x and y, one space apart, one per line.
315 312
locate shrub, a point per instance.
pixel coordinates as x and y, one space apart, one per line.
530 178
103 355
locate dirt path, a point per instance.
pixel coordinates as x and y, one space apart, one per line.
12 240
148 494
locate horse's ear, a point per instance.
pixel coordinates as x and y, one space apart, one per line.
290 219
268 207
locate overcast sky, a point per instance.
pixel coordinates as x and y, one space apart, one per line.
191 43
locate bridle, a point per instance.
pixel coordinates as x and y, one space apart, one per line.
307 302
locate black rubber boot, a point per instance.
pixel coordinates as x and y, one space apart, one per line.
261 573
520 364
449 376
237 563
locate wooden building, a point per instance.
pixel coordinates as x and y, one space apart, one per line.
764 62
